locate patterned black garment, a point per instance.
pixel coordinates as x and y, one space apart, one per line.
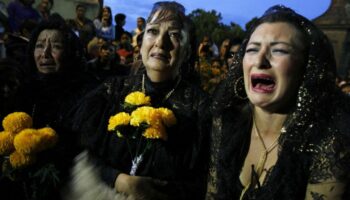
47 99
182 159
314 146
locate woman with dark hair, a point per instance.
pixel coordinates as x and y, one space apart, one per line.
103 24
172 169
280 124
53 73
53 83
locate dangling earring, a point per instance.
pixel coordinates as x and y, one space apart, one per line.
239 88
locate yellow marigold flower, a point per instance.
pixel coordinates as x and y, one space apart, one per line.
119 119
19 160
6 143
145 114
138 98
49 138
17 121
168 117
28 141
156 132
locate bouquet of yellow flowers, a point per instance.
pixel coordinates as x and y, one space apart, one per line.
19 145
141 122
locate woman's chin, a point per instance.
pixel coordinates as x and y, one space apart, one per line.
47 70
159 75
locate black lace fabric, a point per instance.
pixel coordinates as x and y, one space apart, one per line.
214 153
314 147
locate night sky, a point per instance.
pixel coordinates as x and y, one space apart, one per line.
238 11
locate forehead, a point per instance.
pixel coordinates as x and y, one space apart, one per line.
166 15
276 31
50 34
170 24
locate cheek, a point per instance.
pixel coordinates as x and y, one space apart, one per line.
58 57
143 51
36 56
290 73
146 44
177 49
246 69
246 63
289 68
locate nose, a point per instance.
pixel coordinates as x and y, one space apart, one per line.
47 49
163 41
263 61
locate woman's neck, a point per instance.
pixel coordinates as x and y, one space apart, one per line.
161 85
158 77
269 124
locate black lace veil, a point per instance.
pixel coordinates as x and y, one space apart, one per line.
318 100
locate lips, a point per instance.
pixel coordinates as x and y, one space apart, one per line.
263 83
160 56
47 64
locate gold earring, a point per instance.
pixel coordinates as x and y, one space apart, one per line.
239 89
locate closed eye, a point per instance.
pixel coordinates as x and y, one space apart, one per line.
280 51
57 46
39 45
175 34
251 50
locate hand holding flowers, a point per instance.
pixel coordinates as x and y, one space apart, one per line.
142 122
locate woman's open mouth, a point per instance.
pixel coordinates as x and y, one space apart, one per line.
262 83
48 64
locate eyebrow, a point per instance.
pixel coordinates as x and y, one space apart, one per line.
174 25
272 43
52 40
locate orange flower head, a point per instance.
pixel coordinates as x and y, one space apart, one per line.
6 143
19 160
17 121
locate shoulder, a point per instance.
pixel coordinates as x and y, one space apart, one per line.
110 86
330 154
191 90
98 101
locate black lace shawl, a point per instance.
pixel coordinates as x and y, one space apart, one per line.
182 160
314 146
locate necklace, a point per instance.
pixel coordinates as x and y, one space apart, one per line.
168 94
262 160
